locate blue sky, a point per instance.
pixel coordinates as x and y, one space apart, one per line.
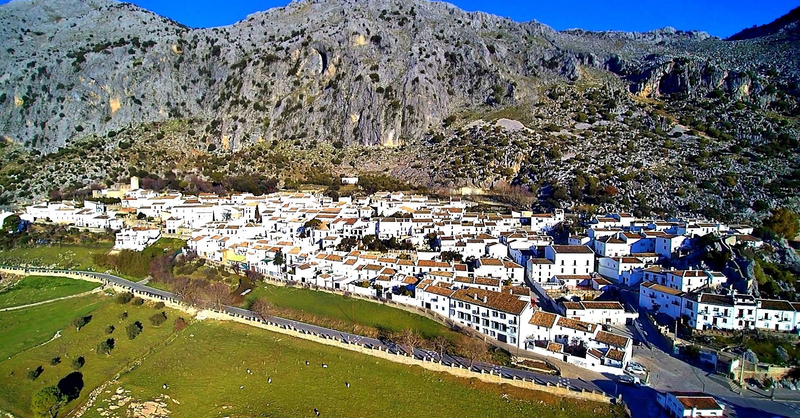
717 17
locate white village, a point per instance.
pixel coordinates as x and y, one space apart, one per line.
502 275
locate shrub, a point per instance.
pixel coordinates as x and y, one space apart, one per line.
137 301
123 316
55 360
105 347
133 330
783 222
180 324
158 319
159 305
110 329
123 298
78 363
80 322
35 373
47 402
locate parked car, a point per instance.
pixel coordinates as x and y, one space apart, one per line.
635 368
627 379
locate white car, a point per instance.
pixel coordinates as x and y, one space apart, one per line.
636 368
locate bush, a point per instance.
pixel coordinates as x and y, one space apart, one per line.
110 329
105 347
80 322
133 330
137 301
783 222
55 360
123 298
35 373
159 305
78 363
47 402
123 316
158 319
180 324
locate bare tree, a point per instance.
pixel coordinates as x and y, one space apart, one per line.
217 295
409 339
179 285
254 275
262 307
442 345
192 291
473 349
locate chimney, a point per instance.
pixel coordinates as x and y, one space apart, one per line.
485 299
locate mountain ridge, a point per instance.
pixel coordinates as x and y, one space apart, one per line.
398 82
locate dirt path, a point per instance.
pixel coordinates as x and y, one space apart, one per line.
14 308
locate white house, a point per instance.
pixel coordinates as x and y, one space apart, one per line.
658 298
598 312
137 238
690 405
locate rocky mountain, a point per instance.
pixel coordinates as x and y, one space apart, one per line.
373 85
786 23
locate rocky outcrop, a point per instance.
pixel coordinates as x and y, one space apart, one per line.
382 72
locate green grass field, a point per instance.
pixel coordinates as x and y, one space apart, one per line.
65 256
33 289
16 388
350 310
26 328
206 371
205 367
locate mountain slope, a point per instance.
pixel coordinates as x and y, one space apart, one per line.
379 72
787 22
409 87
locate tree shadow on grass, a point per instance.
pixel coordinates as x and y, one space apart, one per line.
71 385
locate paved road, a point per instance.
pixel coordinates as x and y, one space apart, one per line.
507 372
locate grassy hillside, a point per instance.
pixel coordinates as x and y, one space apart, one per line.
245 359
34 289
17 388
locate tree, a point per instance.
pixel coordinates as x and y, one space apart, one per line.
442 345
783 222
47 402
217 295
78 362
253 275
105 347
123 298
80 322
158 319
137 301
410 340
452 256
312 224
278 261
133 330
262 307
34 374
473 349
110 329
180 324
